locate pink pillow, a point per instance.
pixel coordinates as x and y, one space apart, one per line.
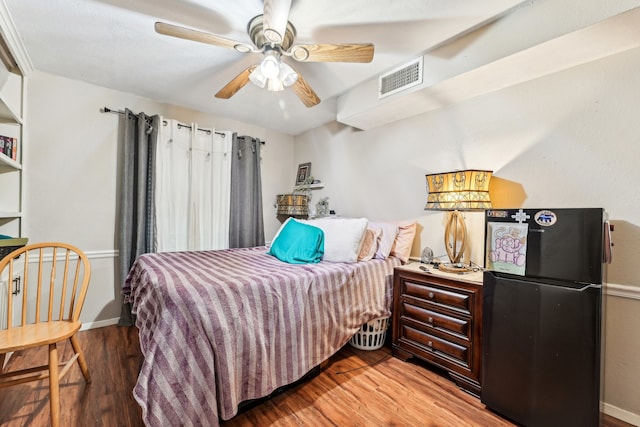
403 242
369 244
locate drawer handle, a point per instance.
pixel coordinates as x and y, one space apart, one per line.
430 344
430 319
431 295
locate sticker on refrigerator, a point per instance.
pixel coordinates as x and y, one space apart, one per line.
545 218
507 247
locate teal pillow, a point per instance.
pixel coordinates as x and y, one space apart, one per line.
298 243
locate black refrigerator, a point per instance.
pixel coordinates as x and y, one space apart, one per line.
542 315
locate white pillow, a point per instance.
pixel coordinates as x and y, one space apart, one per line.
388 236
342 237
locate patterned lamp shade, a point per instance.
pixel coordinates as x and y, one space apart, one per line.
461 190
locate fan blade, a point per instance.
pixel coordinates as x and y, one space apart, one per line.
200 36
235 84
275 18
304 92
359 52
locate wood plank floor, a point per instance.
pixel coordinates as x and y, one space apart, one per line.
356 388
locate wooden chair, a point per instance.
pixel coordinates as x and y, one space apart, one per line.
53 280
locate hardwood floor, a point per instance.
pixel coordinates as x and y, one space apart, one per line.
356 388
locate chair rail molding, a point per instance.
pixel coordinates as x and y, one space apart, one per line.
622 291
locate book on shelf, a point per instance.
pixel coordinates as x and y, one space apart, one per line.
9 146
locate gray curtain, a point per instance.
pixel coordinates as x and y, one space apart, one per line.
136 222
246 226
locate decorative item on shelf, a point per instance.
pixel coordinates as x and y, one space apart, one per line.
466 190
322 207
304 189
292 205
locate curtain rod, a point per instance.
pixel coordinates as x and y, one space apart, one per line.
164 122
253 139
208 131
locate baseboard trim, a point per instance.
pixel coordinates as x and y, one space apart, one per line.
621 414
99 324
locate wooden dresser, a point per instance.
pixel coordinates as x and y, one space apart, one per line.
437 317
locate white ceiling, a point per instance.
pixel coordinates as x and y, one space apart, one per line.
112 43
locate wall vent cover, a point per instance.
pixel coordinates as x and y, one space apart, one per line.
401 78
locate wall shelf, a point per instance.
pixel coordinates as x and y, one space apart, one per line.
8 164
7 113
10 215
310 187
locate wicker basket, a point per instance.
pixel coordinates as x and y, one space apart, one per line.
371 335
9 245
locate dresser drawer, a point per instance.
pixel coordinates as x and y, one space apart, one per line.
438 321
432 344
451 298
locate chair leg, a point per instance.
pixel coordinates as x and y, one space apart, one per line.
2 358
82 362
54 395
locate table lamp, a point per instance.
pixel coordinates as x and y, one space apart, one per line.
466 190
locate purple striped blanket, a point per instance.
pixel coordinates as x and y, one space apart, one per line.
221 327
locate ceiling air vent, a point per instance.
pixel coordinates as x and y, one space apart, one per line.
403 77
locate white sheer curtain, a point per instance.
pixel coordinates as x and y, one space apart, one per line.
221 184
193 188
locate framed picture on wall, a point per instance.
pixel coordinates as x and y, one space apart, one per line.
304 172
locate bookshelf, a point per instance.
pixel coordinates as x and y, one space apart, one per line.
11 126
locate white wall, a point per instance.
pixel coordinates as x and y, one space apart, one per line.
570 139
70 173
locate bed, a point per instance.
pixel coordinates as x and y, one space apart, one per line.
218 328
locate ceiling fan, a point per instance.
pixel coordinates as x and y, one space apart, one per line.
273 36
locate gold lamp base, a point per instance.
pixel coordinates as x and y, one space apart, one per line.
455 237
455 268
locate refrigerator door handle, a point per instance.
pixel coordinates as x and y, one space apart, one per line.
608 243
585 287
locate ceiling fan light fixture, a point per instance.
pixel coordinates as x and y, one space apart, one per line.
257 78
274 85
287 75
270 65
